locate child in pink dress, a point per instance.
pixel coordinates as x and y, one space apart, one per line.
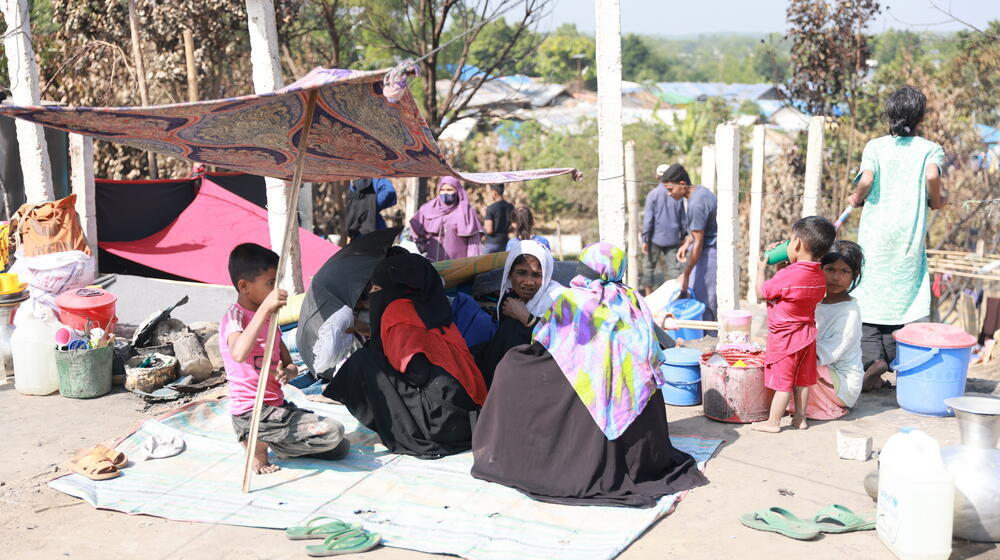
792 296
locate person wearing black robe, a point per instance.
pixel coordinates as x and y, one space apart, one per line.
535 432
414 382
527 291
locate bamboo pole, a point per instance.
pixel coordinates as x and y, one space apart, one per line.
140 70
272 325
964 274
192 73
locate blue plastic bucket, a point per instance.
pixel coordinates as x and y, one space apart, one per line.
690 310
682 373
932 362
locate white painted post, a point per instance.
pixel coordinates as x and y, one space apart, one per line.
267 78
632 199
35 165
727 143
611 156
306 207
412 198
81 179
814 168
756 209
708 167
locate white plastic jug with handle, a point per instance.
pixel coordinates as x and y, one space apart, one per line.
33 345
916 498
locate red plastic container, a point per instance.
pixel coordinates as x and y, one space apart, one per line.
735 394
77 307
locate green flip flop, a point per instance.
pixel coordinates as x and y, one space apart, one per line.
318 529
780 520
351 542
840 519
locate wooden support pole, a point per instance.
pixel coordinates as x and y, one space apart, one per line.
814 168
632 199
81 179
36 169
611 156
192 72
267 78
291 227
140 71
756 209
708 167
727 142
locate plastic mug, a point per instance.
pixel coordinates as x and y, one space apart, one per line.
9 283
778 254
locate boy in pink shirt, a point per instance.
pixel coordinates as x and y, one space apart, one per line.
792 296
290 431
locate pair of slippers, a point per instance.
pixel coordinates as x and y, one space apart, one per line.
338 537
98 463
831 519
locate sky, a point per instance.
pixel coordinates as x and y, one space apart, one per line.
687 17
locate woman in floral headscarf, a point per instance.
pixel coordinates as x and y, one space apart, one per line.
576 417
448 227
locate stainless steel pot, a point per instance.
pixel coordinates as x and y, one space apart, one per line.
976 467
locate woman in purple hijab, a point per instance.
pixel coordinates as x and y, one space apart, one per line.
448 227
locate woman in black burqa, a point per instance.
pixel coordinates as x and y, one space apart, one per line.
602 439
415 382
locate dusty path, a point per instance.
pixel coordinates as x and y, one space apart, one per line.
797 470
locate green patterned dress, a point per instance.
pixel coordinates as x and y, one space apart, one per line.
895 287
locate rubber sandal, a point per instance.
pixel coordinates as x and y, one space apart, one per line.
351 542
840 519
94 467
315 529
116 457
780 520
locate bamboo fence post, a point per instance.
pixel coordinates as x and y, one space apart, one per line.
140 71
756 210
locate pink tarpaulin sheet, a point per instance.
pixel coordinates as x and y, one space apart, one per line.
197 244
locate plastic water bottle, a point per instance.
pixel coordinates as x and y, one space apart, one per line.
34 347
916 498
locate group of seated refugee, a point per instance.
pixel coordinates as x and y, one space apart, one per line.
557 398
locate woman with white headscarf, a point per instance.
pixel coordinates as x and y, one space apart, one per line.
527 291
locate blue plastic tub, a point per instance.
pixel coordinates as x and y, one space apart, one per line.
690 310
932 362
682 373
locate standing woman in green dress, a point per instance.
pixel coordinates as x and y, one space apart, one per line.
900 179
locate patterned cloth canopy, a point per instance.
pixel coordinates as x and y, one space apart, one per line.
366 124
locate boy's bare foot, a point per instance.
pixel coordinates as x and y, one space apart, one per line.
765 427
800 423
260 463
265 468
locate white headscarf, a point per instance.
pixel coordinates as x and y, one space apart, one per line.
548 291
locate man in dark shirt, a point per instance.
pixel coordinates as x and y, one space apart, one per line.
698 251
662 231
497 222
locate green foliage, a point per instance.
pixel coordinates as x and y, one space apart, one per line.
491 40
641 64
555 60
749 107
770 59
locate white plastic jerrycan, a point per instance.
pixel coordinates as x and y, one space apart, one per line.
33 345
916 498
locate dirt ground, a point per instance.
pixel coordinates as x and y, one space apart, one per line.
795 469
